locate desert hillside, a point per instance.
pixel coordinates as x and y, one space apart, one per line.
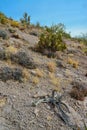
41 90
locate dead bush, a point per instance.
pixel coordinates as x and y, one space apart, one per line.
79 91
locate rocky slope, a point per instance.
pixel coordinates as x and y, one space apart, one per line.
27 76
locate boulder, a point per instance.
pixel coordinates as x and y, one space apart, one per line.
60 64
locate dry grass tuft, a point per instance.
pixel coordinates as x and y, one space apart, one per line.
78 93
73 62
25 74
55 81
11 49
8 63
35 80
39 72
14 23
2 101
51 66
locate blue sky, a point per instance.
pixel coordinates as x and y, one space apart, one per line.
73 13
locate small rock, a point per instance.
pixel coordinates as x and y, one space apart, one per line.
36 111
60 64
86 74
58 55
49 118
35 33
71 51
40 94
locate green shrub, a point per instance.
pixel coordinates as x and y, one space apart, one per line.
3 34
3 18
14 23
7 73
51 39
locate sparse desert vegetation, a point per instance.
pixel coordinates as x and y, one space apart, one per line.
51 66
78 91
39 72
74 63
35 80
37 60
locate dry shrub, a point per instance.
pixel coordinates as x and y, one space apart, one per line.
8 62
51 66
22 28
15 35
55 81
78 93
11 49
58 55
73 62
24 59
25 74
39 72
2 101
35 80
14 23
6 44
